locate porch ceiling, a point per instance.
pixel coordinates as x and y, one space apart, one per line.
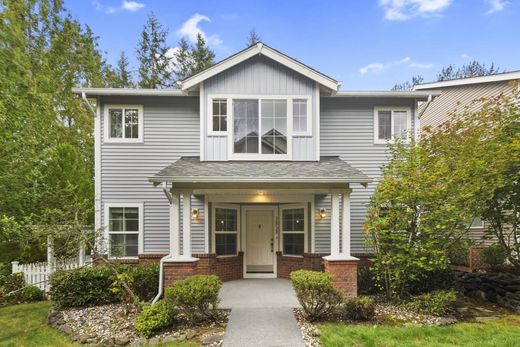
330 171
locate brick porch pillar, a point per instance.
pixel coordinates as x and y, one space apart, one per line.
340 264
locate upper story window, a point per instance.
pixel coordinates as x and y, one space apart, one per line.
301 120
123 123
391 123
219 115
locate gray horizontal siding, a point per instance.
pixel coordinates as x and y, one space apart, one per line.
347 130
171 130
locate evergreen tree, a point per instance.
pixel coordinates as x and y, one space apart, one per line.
253 38
408 85
473 69
203 57
183 60
154 64
123 76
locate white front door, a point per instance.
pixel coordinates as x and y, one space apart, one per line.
259 241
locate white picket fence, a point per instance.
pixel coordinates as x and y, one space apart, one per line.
38 273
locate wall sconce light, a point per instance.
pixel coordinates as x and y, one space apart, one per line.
195 213
323 214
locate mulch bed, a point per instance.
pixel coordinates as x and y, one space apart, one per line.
113 325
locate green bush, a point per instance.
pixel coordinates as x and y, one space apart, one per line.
433 280
435 303
315 293
144 280
196 297
10 288
494 255
32 294
361 308
366 281
155 318
458 253
89 286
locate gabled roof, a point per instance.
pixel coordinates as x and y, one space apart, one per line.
260 49
500 77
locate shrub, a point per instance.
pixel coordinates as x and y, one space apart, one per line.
433 280
494 255
361 308
144 280
315 293
458 253
436 303
155 318
196 297
10 288
83 287
366 281
32 294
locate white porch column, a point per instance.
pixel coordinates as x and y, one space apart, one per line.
186 224
345 223
334 226
175 225
338 253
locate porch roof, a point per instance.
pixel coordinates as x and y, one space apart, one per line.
330 170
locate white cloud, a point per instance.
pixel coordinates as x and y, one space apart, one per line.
191 28
132 5
378 67
497 5
400 10
464 56
126 5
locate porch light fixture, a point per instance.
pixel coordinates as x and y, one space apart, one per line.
195 213
323 214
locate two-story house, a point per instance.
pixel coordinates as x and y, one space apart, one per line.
255 167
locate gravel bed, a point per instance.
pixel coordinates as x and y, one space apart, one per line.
310 332
113 325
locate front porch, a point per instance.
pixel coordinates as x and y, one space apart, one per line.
264 227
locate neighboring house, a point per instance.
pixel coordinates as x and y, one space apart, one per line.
457 96
255 167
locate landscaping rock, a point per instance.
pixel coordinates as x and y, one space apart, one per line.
122 341
190 334
210 339
485 319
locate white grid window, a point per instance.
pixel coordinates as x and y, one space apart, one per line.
219 115
226 231
293 231
301 119
391 124
123 231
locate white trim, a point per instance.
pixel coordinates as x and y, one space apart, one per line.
258 179
256 198
206 225
175 225
309 117
334 225
305 227
202 114
317 117
268 52
140 232
387 94
213 227
276 238
313 224
97 167
209 117
506 76
345 223
140 117
128 92
392 109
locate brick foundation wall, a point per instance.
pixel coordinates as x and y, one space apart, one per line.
145 259
287 264
226 268
344 275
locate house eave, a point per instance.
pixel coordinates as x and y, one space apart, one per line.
91 92
419 95
501 77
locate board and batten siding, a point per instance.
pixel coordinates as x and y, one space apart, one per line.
257 76
171 130
347 130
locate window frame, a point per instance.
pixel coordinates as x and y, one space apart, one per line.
107 126
308 132
305 228
214 231
140 232
391 109
480 226
209 118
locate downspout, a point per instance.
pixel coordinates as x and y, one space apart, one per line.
428 102
91 109
161 263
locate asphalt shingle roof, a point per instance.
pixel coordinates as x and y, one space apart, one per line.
328 169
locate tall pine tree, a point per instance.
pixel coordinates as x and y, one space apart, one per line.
154 63
183 60
123 78
203 56
253 38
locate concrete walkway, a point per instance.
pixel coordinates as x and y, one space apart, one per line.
261 313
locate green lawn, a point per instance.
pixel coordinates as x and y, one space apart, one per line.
503 332
24 325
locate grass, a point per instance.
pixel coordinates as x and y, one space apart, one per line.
503 332
24 325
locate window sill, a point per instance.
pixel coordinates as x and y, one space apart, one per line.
226 256
292 256
123 141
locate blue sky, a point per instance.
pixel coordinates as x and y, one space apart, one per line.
366 44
